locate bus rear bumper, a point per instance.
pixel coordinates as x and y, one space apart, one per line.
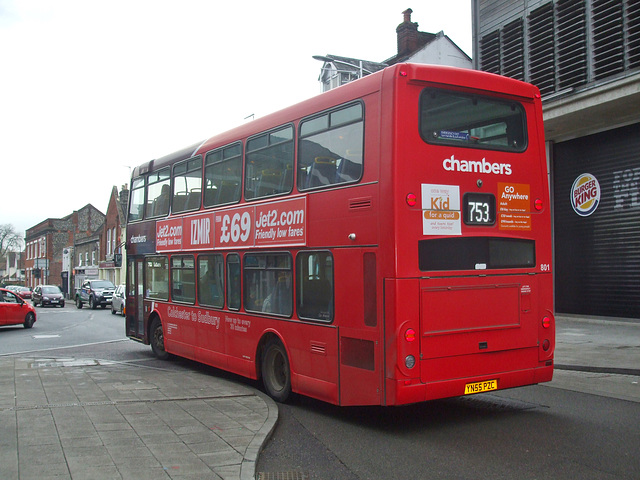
402 392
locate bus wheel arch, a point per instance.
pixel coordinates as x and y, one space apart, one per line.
274 367
156 337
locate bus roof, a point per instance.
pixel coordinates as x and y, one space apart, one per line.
437 74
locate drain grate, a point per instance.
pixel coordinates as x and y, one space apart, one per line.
282 476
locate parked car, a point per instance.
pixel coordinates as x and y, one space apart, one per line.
24 292
95 292
47 295
14 310
118 300
13 288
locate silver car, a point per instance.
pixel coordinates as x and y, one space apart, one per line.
118 300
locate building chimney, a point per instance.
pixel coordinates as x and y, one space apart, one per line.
124 199
407 34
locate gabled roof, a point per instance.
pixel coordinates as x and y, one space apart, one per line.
121 201
413 46
425 39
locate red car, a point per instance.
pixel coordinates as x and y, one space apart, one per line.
24 292
14 310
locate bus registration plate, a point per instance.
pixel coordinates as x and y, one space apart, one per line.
478 387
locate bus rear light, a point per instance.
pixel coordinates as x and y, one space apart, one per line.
545 345
410 361
410 335
546 322
412 199
402 73
538 204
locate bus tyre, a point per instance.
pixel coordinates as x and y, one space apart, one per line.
276 374
157 339
29 320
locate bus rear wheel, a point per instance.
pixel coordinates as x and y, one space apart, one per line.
276 374
157 339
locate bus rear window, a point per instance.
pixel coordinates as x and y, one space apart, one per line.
475 253
474 121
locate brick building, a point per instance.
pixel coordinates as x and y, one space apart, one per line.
112 264
46 242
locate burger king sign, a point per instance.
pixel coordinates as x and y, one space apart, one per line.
585 194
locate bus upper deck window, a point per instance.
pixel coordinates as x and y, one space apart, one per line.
330 150
137 199
269 164
473 121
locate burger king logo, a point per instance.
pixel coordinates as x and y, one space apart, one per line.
585 194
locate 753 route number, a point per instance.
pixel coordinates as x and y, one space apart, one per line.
479 208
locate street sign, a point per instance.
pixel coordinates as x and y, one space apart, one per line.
41 263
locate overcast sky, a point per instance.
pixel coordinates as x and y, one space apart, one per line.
90 89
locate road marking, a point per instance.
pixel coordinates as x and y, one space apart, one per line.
62 348
46 336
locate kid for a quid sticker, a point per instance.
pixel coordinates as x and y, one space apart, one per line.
441 210
585 194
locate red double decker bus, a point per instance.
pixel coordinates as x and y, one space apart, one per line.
383 243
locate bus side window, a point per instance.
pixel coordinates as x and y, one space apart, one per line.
314 286
223 175
183 285
211 280
233 281
158 193
269 164
187 184
267 283
330 149
156 277
137 200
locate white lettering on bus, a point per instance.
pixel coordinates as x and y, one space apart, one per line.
166 231
455 165
200 231
287 217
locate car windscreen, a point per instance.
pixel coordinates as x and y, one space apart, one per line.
50 290
102 284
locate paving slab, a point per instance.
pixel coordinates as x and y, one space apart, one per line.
69 418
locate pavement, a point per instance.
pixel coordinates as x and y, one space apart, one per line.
599 356
70 418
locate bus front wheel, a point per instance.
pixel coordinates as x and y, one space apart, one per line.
276 374
157 339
